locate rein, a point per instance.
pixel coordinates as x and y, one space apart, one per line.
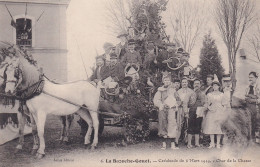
12 96
20 97
78 105
65 100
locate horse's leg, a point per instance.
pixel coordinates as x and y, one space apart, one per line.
94 116
35 135
84 114
63 121
21 118
69 119
41 118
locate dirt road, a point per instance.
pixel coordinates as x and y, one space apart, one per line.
109 153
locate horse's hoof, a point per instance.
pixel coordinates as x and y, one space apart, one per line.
33 151
67 142
93 148
17 151
39 156
87 146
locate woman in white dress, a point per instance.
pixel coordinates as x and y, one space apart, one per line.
215 102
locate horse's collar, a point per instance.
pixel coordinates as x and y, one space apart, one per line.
32 90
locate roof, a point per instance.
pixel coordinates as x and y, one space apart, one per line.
53 2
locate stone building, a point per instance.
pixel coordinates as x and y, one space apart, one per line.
40 27
244 66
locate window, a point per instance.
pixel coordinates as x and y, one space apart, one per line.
24 32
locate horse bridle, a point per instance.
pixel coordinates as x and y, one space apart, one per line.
14 81
3 75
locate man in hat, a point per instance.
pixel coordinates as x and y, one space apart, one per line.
196 114
252 98
167 121
131 56
177 84
150 58
171 48
188 98
115 69
184 63
185 58
108 49
113 50
121 47
163 57
100 70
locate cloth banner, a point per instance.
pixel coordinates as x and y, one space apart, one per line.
10 132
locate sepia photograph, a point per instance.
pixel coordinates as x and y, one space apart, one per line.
126 83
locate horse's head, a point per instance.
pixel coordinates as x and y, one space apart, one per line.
12 78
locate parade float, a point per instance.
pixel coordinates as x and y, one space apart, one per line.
130 105
134 100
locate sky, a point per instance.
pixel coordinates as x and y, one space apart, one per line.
86 34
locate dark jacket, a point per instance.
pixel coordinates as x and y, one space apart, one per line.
116 72
101 74
129 57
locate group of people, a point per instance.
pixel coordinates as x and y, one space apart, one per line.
204 109
201 109
114 62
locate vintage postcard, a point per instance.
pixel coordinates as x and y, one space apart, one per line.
129 83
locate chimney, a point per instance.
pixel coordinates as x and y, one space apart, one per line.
242 53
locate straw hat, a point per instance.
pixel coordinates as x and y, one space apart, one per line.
226 77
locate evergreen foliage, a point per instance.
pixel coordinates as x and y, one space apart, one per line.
210 60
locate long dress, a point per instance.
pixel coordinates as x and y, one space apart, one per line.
216 113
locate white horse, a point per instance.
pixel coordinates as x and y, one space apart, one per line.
59 99
24 112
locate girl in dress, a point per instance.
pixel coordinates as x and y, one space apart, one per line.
215 102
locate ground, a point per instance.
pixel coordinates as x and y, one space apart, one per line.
109 153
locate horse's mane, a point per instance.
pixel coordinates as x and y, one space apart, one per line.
7 48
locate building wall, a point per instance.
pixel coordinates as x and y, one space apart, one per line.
244 67
50 42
